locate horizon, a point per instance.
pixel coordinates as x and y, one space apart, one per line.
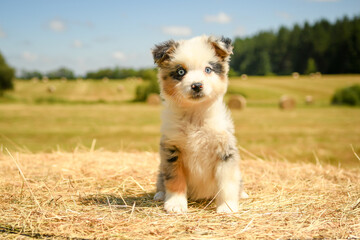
112 34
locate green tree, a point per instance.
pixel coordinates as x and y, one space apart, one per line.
263 64
7 75
30 74
61 72
333 48
311 66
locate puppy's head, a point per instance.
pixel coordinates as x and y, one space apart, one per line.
193 71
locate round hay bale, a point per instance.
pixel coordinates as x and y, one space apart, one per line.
63 79
287 103
318 74
295 75
237 102
105 79
79 80
35 79
309 100
312 75
45 79
120 88
153 99
244 76
51 89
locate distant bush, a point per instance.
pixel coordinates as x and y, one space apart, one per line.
30 74
347 96
61 73
146 88
122 73
6 75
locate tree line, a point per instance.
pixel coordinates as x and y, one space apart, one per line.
326 47
110 73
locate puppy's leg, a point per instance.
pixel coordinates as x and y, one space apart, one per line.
160 188
174 180
228 179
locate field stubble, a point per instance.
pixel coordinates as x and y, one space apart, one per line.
98 194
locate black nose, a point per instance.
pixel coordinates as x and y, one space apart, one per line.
197 87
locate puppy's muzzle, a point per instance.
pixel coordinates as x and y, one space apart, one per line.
197 87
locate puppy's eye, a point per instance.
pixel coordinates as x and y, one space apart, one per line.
181 71
208 70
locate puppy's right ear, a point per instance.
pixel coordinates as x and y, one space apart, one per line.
163 51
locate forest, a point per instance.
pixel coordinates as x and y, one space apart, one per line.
325 47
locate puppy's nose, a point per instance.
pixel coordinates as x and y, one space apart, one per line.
196 87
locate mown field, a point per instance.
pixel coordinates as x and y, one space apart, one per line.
107 195
79 114
81 162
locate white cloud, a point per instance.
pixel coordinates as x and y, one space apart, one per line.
2 33
29 57
119 55
219 18
177 30
240 31
77 44
284 15
57 25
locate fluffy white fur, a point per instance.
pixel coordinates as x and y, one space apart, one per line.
198 152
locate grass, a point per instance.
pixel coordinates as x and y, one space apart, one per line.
266 91
300 135
72 92
99 194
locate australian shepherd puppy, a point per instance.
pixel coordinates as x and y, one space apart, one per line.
199 157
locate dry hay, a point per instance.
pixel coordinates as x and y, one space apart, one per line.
287 103
120 88
309 99
35 79
244 77
237 102
318 75
51 89
295 75
99 195
45 79
105 79
153 99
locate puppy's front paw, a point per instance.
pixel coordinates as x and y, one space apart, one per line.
244 195
228 207
159 196
175 203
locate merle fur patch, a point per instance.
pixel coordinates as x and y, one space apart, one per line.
162 51
217 67
227 42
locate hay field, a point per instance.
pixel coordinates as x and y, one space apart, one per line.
303 134
266 91
99 194
61 181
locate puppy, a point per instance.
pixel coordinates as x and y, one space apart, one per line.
199 158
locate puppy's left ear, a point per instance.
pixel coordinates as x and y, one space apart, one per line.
222 46
162 52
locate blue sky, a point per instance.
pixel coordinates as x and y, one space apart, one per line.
86 35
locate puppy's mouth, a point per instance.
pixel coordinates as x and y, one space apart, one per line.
197 95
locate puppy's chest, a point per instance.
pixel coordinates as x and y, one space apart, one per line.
200 144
